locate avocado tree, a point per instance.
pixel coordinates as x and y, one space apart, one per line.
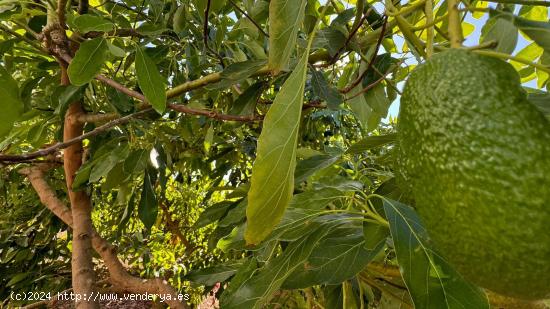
251 148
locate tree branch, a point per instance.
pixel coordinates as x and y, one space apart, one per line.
61 6
83 6
351 35
130 32
371 62
206 32
27 40
119 277
213 114
370 86
65 144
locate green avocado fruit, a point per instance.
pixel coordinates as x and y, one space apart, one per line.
476 156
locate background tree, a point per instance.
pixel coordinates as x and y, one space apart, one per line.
246 143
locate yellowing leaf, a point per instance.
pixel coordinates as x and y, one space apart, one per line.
467 29
272 180
537 13
542 78
285 18
535 30
481 5
530 52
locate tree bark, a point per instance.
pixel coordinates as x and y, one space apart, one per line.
81 209
119 277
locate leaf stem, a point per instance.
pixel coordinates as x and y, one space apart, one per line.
392 11
513 58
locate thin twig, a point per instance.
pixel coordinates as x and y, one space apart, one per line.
370 86
352 34
249 18
213 114
130 32
83 6
27 40
122 5
205 30
61 6
206 33
63 145
371 62
26 27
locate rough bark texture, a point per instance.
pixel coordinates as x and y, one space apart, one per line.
81 209
119 277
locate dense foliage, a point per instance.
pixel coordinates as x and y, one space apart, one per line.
241 142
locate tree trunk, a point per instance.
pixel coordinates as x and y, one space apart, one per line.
81 209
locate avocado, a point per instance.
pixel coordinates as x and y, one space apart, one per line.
476 156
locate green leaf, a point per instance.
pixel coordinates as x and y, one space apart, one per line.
128 210
371 142
324 91
150 81
12 105
272 180
541 101
208 139
179 22
69 95
211 275
86 23
430 280
316 199
119 101
285 19
503 32
307 167
136 161
18 278
82 176
104 164
246 102
330 39
88 61
376 98
255 291
115 50
148 205
359 106
236 73
537 31
336 258
334 297
244 273
213 213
